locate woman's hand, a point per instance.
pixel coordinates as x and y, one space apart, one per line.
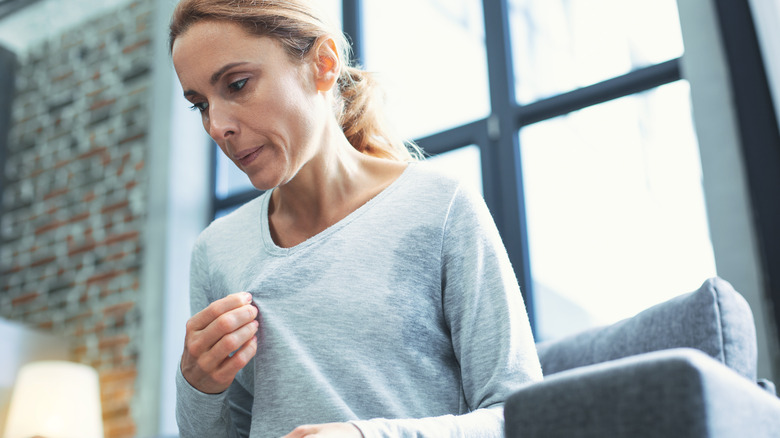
332 430
227 325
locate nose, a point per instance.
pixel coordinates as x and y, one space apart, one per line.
221 124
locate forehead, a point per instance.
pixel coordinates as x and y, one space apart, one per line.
208 45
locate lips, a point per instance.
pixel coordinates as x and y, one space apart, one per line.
247 156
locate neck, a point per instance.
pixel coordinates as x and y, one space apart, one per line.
330 186
325 183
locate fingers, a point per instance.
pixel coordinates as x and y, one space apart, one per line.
221 325
220 340
227 370
226 344
205 317
302 431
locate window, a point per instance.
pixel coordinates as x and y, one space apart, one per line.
612 181
560 45
571 118
616 213
435 70
463 163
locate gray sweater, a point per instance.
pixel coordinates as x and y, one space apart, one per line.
404 318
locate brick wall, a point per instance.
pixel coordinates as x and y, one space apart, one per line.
74 197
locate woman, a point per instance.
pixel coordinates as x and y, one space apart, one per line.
384 302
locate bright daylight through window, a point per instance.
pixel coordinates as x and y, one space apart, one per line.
613 195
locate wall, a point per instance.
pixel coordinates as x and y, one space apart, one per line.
729 209
75 197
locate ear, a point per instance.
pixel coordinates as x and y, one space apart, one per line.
327 62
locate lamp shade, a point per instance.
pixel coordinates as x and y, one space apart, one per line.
55 399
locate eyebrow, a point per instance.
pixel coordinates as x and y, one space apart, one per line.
218 74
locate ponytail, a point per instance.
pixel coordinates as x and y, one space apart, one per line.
361 118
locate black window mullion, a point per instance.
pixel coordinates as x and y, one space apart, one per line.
630 83
503 181
452 139
352 26
234 200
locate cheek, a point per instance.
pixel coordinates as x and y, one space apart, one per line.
287 113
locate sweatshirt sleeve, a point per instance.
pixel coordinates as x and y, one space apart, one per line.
488 323
198 414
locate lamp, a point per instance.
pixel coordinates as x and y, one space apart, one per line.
55 399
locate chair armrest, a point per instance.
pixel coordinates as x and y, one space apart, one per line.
679 392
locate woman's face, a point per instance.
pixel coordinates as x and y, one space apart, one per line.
261 107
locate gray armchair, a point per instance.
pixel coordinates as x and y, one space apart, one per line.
683 368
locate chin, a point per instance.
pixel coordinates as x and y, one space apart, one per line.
271 178
263 185
265 182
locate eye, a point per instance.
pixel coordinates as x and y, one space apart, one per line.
237 85
200 106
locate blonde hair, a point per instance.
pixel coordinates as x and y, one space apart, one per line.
297 25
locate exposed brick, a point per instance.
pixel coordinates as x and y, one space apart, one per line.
13 270
122 237
53 225
118 375
79 317
79 352
119 428
98 151
133 47
24 299
81 249
97 91
118 309
101 104
114 207
71 245
116 256
104 277
84 331
113 342
131 139
54 193
115 408
78 217
117 396
105 292
62 76
43 261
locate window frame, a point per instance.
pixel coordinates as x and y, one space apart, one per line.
499 145
759 137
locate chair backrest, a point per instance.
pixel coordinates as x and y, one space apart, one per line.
715 319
